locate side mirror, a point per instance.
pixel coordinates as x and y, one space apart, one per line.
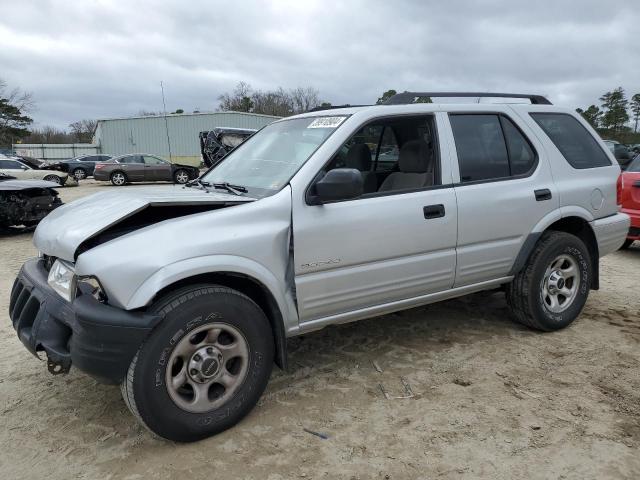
338 184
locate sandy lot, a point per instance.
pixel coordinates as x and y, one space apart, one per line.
492 399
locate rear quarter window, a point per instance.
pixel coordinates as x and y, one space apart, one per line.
574 141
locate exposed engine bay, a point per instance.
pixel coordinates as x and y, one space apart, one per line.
26 202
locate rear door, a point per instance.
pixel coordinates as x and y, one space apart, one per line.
504 188
134 167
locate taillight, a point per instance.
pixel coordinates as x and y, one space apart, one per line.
619 187
99 166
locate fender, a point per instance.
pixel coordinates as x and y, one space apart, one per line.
183 269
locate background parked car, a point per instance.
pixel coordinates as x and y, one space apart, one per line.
629 198
621 152
142 167
216 143
21 171
25 202
80 167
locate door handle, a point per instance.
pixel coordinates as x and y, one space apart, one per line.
433 211
543 194
637 184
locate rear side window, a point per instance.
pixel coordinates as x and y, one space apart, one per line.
575 143
634 166
490 147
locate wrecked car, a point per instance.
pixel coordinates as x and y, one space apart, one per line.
217 143
26 202
20 170
142 167
185 296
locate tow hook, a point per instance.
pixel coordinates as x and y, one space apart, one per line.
57 368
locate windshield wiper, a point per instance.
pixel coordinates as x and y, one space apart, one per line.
231 188
197 182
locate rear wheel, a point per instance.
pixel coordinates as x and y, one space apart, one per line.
53 178
551 290
181 176
627 243
80 174
118 178
204 367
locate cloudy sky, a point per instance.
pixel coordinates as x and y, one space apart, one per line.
105 58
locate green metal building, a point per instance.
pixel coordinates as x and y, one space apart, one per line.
117 136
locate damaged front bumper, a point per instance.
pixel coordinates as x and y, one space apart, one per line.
96 338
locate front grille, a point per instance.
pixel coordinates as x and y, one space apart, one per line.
23 307
634 231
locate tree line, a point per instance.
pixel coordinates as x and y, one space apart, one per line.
616 118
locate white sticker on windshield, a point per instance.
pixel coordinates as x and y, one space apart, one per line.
326 122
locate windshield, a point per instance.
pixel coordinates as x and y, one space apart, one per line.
266 162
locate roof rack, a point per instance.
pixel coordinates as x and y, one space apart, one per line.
409 97
333 107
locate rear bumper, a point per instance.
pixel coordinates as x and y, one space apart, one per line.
634 229
611 232
100 174
96 338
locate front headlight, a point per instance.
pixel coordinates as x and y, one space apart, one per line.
62 278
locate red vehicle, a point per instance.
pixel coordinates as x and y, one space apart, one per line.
629 199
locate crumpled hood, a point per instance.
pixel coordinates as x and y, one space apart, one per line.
15 185
66 228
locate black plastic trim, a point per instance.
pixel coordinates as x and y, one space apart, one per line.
99 339
525 251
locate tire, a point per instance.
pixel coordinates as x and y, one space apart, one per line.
181 176
53 178
627 243
530 294
79 174
118 178
174 413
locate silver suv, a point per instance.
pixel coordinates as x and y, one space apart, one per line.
185 296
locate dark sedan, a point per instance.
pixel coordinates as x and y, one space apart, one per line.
142 167
80 167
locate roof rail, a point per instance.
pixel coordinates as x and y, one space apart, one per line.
409 97
333 107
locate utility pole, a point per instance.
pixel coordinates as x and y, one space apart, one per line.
166 125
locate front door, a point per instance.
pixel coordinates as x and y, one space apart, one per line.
395 242
156 169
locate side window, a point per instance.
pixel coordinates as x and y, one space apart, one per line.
393 154
574 141
10 165
482 151
522 158
132 159
389 151
153 160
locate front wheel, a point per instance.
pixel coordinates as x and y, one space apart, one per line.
181 176
204 367
551 290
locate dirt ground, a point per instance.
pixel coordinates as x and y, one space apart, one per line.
491 399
